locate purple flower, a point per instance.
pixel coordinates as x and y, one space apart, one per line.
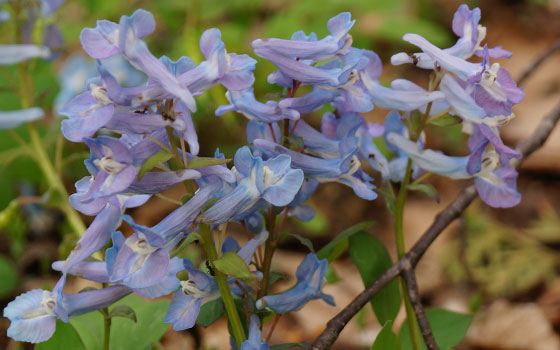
308 47
272 180
12 54
109 38
254 341
310 275
244 102
13 119
33 314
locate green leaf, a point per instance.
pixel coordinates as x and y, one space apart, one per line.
427 189
372 259
390 200
330 276
8 213
449 329
294 143
200 162
123 311
65 337
386 339
325 252
445 120
306 242
148 330
160 157
232 265
210 312
8 276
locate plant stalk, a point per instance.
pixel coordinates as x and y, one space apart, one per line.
414 329
221 280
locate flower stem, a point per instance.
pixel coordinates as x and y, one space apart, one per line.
41 157
221 280
269 248
399 235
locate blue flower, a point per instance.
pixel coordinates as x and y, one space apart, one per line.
310 275
272 180
33 314
345 168
12 54
109 38
466 26
13 119
308 47
201 288
254 341
243 101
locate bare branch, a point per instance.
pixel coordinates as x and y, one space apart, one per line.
442 220
414 295
555 47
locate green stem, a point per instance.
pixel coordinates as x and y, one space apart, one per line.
221 280
106 328
415 334
269 248
26 96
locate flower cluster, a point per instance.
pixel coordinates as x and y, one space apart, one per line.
280 168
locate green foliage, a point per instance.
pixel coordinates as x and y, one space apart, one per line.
125 334
123 311
330 251
448 327
160 157
372 259
427 189
8 275
445 120
200 162
210 312
232 265
304 241
386 339
65 337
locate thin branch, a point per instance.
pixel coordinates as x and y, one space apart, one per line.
442 220
414 295
555 47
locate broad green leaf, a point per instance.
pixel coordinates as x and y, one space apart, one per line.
427 189
386 339
200 162
449 329
123 311
445 120
65 337
232 265
325 252
210 312
306 242
160 157
372 259
148 330
8 276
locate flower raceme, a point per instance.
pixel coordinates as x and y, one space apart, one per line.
154 146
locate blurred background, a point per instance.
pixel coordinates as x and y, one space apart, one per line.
502 266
